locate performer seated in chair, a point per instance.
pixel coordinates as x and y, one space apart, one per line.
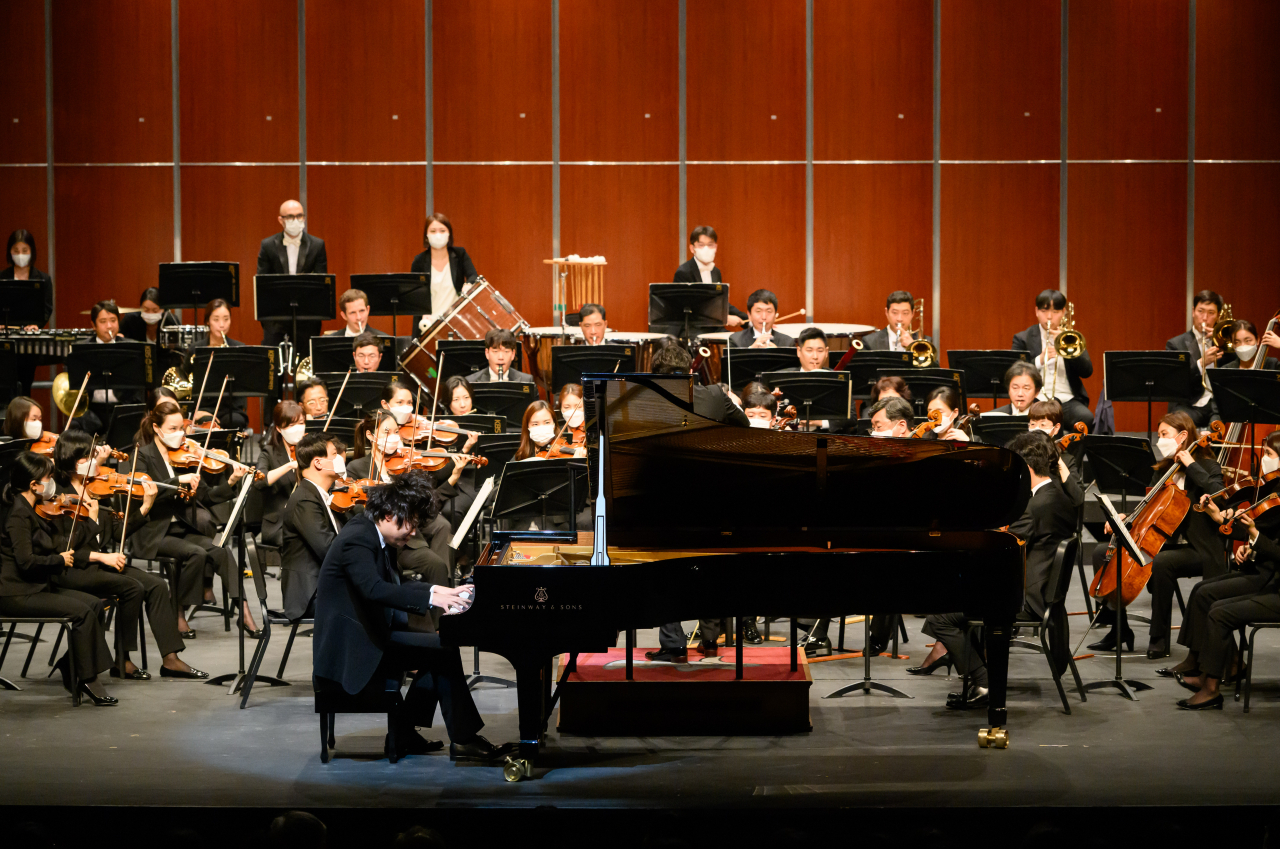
362 631
1068 375
353 308
1023 383
896 335
591 322
762 311
1206 307
457 394
366 352
761 408
281 478
946 400
310 525
1248 350
1047 520
1046 417
314 397
500 346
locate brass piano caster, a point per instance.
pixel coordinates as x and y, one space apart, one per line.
993 738
516 768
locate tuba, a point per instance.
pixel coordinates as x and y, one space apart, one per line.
923 353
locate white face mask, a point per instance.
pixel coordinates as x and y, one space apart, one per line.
173 440
1166 446
1246 352
942 428
152 317
542 434
48 490
339 466
86 468
764 423
391 443
33 429
21 260
1269 464
437 240
401 413
294 228
705 255
576 418
1048 430
293 433
881 433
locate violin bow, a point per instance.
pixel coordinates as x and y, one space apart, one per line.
216 407
334 407
128 495
79 395
204 382
436 405
413 419
75 517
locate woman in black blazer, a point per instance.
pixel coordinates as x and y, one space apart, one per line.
231 412
30 558
288 428
20 256
144 325
447 265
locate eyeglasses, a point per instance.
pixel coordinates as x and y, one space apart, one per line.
298 217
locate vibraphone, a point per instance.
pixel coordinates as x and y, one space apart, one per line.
49 347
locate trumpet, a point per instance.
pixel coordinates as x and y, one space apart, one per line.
923 352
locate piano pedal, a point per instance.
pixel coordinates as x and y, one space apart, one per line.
993 738
516 768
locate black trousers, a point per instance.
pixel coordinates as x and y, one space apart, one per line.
952 630
881 628
92 654
162 614
440 680
1072 412
1170 565
1226 616
200 559
102 583
1195 631
671 635
1200 415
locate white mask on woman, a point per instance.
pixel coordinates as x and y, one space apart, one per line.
1166 446
33 430
48 490
152 317
437 240
542 434
293 433
391 443
706 255
86 468
576 418
1246 352
173 440
294 228
21 260
1269 464
401 413
942 428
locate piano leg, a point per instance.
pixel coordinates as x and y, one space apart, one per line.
997 641
531 703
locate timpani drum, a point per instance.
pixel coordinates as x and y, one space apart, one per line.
543 339
481 308
839 338
182 337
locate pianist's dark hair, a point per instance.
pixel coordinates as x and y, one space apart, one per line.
1037 450
15 416
432 218
500 337
810 333
1024 369
409 498
151 293
1051 298
27 239
589 309
760 400
899 297
27 468
364 340
895 409
673 359
704 230
101 307
1204 296
762 296
72 447
316 445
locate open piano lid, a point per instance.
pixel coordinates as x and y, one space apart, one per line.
673 478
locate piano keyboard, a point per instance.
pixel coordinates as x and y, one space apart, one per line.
50 345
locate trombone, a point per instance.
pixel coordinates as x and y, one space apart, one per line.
1068 345
922 351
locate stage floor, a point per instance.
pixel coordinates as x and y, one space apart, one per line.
182 743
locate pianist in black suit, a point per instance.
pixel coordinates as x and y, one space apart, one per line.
896 335
1068 375
20 256
1047 520
762 312
362 636
500 346
144 325
291 251
701 268
310 525
1197 343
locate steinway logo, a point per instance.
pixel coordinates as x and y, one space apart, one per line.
540 598
540 595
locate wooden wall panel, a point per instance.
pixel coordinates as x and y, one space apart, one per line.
366 81
873 234
745 72
226 212
619 81
629 214
22 118
502 216
1237 253
1126 263
999 250
491 80
238 80
1000 71
115 226
873 79
1237 79
758 211
1128 88
370 217
111 81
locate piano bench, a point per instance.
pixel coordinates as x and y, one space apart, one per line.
379 697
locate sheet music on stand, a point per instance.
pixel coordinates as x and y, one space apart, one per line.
1118 526
476 506
246 484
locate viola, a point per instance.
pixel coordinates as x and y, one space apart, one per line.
45 444
109 483
66 504
352 493
1153 523
1067 439
214 460
420 429
785 419
1253 511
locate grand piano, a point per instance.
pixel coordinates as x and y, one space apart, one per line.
694 518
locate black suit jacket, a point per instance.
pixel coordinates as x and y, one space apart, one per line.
878 340
460 266
1187 342
307 534
193 515
688 273
359 602
1199 531
746 336
1032 340
276 495
273 257
1047 520
133 327
512 375
42 288
28 558
711 402
375 331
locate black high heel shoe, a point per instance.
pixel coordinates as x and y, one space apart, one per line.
99 699
1108 643
248 632
64 666
944 660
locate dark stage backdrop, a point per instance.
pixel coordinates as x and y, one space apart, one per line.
971 151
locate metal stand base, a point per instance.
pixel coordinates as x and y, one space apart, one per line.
1126 686
475 679
6 684
866 685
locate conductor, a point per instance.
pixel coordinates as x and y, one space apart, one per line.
364 637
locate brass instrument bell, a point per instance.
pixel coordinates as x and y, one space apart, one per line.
64 397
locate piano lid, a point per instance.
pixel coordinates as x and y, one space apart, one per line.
670 473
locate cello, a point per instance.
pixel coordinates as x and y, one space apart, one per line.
1152 524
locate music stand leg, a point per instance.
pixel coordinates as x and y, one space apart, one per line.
475 678
1128 687
866 685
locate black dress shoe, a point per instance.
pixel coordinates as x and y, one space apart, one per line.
944 660
1158 649
410 742
750 635
251 633
1181 678
978 700
190 672
878 647
667 656
708 649
135 675
1174 672
97 695
187 635
1213 704
478 749
820 647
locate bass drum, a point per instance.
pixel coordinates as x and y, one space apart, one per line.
480 309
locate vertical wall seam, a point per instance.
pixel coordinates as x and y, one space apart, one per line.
177 132
808 161
302 103
555 128
937 173
1191 160
1063 137
430 142
49 240
683 172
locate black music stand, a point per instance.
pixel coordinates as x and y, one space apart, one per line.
1127 686
9 388
864 369
1146 376
19 306
193 285
342 427
999 430
867 685
541 489
392 294
922 381
121 366
335 353
479 422
498 448
686 310
825 394
1246 395
984 371
503 399
466 356
290 297
251 370
124 424
570 363
363 393
740 366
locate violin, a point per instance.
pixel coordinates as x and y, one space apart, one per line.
1253 511
1228 494
66 504
351 494
431 461
786 418
1153 523
1067 439
935 418
419 429
214 460
45 444
100 486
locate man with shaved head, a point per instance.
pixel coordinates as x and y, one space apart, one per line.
291 251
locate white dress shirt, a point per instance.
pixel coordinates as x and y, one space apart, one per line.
704 270
328 500
1205 342
291 246
105 396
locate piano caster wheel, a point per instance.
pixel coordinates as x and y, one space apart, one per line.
516 768
993 738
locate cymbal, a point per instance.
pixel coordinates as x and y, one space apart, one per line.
123 310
